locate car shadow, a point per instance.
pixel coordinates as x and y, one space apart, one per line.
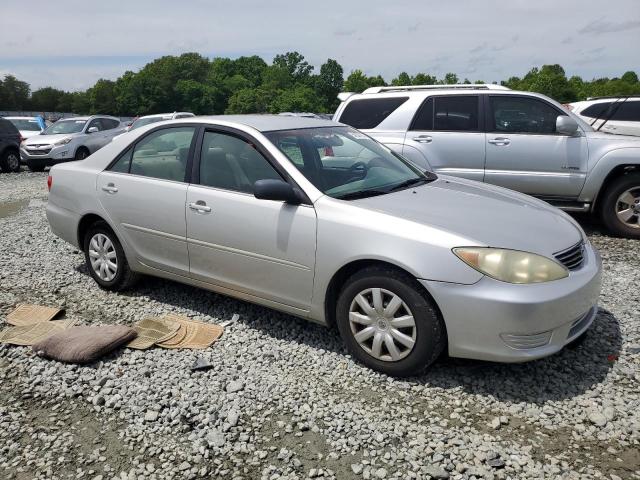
569 373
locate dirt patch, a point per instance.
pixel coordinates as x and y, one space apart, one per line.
11 208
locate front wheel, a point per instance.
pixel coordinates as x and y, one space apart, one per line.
620 207
389 323
106 260
81 154
10 161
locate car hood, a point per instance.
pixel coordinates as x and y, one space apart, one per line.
28 133
485 214
615 140
47 139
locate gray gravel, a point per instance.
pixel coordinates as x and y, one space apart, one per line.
285 401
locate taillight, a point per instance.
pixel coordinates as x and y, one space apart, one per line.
49 182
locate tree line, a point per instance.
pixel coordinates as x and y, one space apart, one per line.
191 82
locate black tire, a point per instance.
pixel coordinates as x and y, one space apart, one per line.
10 161
124 277
430 331
81 153
35 166
609 205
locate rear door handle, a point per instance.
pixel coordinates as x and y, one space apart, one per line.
199 206
500 141
110 188
423 139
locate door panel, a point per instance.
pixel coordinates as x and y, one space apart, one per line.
525 153
260 247
149 214
447 132
145 193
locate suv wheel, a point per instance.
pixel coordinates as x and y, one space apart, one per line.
10 161
620 208
81 153
106 260
389 323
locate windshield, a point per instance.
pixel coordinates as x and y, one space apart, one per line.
344 163
25 124
141 122
65 126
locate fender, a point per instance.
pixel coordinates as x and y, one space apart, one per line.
603 167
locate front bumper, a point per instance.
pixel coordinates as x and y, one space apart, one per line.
45 155
498 321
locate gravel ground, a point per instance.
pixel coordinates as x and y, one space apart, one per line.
285 401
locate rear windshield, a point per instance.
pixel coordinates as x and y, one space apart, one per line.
369 113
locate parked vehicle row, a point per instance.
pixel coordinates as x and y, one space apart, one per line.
28 126
520 140
316 219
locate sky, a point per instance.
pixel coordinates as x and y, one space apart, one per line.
70 44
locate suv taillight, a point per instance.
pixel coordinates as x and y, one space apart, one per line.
49 182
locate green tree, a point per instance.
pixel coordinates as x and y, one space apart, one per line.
197 97
295 64
402 79
46 99
357 82
102 97
14 93
249 100
328 84
298 99
424 79
450 79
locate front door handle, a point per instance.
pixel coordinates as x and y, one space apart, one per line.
199 206
500 141
423 139
110 188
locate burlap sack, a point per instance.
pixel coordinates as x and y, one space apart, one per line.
84 344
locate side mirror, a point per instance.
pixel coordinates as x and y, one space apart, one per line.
565 125
92 129
277 190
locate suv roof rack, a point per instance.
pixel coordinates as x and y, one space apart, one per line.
405 88
613 96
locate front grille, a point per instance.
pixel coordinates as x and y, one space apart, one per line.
573 257
38 152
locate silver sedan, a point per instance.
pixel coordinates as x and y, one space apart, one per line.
318 220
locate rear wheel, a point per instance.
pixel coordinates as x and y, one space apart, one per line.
106 260
620 207
389 323
10 161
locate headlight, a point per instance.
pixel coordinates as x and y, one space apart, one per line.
511 266
64 141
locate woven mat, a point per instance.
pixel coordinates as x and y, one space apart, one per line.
197 335
151 331
28 335
25 314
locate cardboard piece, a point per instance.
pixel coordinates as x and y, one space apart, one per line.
28 335
26 314
198 335
151 331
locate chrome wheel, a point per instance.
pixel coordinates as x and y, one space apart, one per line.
382 324
13 162
102 254
628 207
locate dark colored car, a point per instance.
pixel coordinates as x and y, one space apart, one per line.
9 146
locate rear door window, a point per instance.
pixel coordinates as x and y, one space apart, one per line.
369 113
456 113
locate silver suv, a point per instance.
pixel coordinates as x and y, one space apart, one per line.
69 139
520 140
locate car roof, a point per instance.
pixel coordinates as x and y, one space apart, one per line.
267 123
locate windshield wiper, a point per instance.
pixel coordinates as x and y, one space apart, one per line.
409 183
361 194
